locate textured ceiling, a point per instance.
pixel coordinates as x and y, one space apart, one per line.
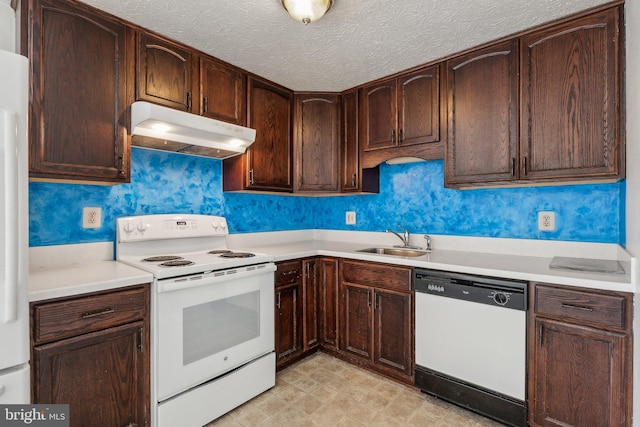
355 42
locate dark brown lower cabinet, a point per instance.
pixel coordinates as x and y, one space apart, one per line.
92 353
376 317
289 304
357 320
328 303
580 357
306 308
393 331
97 375
288 322
310 289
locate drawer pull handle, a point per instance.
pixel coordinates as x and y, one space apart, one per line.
576 307
91 314
289 273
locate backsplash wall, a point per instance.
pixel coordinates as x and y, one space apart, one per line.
411 195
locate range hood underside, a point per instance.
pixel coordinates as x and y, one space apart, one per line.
179 147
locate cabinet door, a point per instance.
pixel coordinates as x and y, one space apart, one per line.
356 320
103 376
288 322
578 376
311 290
419 107
79 76
393 335
328 302
571 99
482 92
317 142
379 115
164 73
224 92
349 169
269 157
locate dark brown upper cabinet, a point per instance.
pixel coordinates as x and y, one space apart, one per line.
223 92
317 142
349 148
571 99
562 125
267 164
165 73
482 96
81 69
401 117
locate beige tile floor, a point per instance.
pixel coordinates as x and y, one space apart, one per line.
324 391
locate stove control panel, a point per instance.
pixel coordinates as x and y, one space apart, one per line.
157 227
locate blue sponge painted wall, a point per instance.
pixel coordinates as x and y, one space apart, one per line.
411 195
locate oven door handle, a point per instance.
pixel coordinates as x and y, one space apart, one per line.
213 277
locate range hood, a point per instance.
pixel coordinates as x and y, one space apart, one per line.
161 128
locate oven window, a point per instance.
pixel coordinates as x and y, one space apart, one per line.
215 326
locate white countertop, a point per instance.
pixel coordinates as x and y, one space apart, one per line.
521 267
49 277
69 280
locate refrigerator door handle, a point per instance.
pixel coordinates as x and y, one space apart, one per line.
9 129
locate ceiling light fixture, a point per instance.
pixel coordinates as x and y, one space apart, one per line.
307 11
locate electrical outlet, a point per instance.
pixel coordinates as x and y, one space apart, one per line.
350 218
91 217
547 221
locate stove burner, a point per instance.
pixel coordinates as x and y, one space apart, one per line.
237 255
219 251
177 263
162 258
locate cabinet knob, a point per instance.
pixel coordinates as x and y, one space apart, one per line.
400 136
251 181
393 136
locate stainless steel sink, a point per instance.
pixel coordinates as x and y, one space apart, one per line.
394 251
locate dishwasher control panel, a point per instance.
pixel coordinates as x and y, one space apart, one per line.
479 289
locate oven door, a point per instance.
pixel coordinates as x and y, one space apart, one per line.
212 323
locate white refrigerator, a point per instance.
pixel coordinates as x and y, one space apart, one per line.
14 227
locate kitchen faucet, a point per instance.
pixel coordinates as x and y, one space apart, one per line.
404 237
405 240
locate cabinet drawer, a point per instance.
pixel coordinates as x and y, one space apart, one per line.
606 310
62 319
288 272
377 275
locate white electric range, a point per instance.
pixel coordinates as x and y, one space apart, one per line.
212 312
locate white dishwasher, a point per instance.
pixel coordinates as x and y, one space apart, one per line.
471 342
